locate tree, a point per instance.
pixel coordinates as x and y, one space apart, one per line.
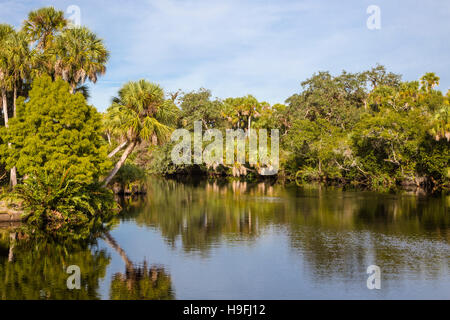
145 115
338 100
429 81
319 150
79 55
9 68
55 131
378 76
5 80
198 106
240 112
42 25
19 62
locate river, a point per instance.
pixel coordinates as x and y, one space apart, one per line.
240 240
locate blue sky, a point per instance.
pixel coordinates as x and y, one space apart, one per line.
265 48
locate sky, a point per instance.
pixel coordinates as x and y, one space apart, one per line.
259 47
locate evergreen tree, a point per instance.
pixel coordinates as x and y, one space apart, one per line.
55 131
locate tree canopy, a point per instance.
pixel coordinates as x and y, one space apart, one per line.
56 131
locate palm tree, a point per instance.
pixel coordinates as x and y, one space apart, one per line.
112 128
43 24
16 60
440 127
143 115
79 55
428 81
6 77
19 59
5 80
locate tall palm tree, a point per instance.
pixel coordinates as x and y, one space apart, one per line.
5 80
19 59
79 55
16 62
43 24
429 80
144 115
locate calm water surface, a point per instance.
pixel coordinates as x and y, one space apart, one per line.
211 240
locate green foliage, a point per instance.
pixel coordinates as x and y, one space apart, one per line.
59 205
142 113
319 149
42 25
336 99
39 270
240 112
396 133
53 131
198 106
79 55
366 128
130 173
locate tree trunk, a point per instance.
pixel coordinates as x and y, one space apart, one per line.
320 169
13 175
14 100
5 108
119 147
113 244
12 243
119 164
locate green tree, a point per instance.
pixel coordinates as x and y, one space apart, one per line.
43 25
338 100
55 131
18 60
79 55
240 112
144 115
318 150
429 81
5 79
15 66
378 76
198 106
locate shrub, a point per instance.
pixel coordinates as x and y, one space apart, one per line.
54 202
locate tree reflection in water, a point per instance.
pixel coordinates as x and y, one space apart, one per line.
36 268
338 232
139 282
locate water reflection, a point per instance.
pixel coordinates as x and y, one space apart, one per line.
204 212
138 282
36 269
337 233
232 240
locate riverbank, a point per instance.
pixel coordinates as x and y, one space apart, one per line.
9 214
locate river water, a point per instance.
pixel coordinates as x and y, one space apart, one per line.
237 240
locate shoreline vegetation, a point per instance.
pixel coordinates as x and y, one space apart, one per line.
63 160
